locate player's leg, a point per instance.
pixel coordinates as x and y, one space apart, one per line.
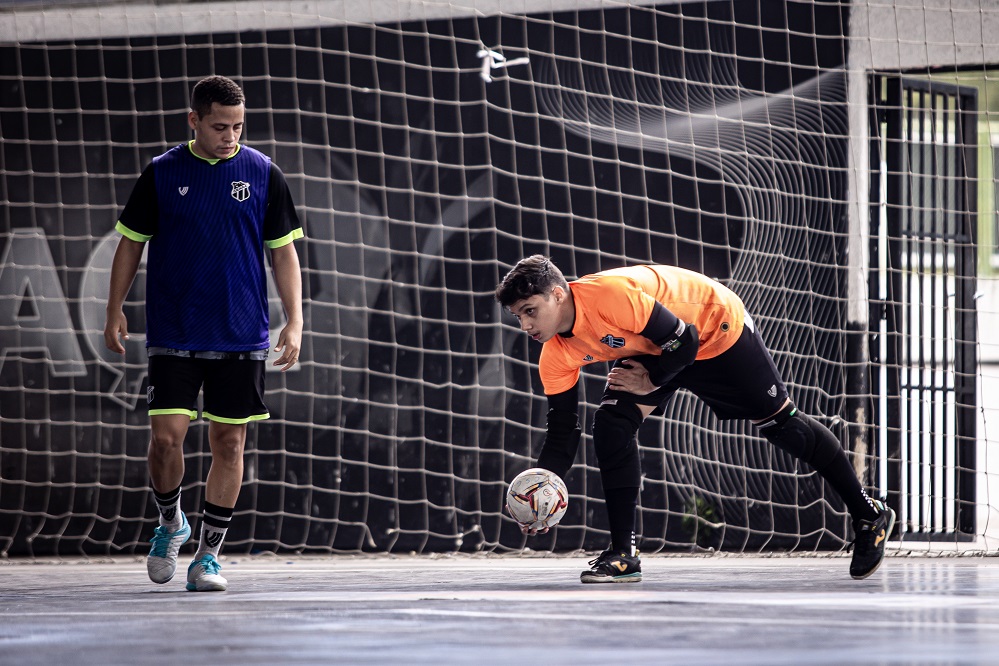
227 442
813 443
174 384
234 392
743 382
615 425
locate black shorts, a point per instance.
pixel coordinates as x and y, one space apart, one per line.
740 383
234 388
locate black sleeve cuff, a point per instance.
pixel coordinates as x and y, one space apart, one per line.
663 325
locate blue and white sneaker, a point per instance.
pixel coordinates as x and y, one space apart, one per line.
161 564
203 575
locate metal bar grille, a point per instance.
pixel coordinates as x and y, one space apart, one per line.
922 288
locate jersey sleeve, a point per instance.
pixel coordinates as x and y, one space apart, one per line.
281 223
556 376
662 326
140 219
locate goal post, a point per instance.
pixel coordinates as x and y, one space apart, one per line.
429 146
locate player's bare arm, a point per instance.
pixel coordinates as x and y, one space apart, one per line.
123 270
288 278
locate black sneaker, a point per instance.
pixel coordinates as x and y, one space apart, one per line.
870 537
613 567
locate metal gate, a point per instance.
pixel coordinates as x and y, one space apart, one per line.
922 285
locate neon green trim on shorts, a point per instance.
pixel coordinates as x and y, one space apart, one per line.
159 412
128 233
284 240
221 419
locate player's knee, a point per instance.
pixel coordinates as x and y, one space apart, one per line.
227 445
614 428
166 441
801 436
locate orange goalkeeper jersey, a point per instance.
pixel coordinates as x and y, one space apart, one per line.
613 307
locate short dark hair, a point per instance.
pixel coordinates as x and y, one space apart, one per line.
531 276
214 89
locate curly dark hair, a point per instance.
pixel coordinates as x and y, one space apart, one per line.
213 89
531 276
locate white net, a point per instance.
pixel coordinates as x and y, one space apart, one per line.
429 147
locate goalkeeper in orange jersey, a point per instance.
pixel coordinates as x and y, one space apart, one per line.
664 328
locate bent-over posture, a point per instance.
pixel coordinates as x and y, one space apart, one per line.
665 328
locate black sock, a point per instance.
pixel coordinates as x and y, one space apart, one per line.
622 505
814 444
168 504
841 476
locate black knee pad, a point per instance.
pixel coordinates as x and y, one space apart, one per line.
614 428
801 436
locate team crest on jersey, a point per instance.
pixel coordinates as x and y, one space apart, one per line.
612 342
240 190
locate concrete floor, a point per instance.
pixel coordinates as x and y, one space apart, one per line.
505 610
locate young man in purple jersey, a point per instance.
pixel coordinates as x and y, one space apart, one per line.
206 208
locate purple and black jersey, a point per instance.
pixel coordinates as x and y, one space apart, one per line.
207 222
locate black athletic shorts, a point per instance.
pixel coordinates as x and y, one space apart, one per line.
740 383
234 388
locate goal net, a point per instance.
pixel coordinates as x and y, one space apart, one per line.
830 162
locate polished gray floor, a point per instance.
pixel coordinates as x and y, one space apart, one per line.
505 610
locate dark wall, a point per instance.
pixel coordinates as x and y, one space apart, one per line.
420 185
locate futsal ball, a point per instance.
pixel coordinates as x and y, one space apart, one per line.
537 498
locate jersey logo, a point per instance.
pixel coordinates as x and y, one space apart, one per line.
612 342
587 358
772 391
240 190
182 190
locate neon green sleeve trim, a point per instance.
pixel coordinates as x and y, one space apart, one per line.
284 240
128 233
220 419
188 412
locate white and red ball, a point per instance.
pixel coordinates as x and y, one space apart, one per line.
537 498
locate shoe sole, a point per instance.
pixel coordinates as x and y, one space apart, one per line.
891 526
630 578
191 587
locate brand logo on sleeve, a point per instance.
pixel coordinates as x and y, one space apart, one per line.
587 358
240 190
612 342
182 190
